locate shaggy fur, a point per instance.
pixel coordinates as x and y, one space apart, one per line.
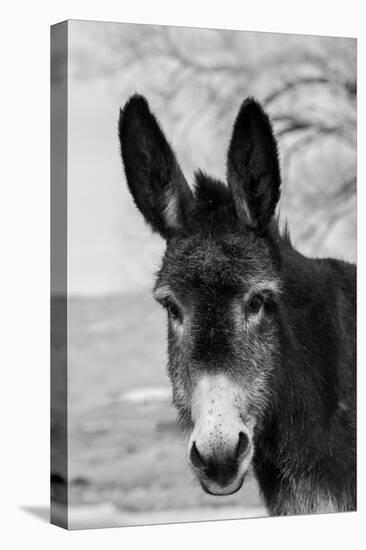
241 300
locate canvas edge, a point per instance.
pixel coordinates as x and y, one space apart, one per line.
58 305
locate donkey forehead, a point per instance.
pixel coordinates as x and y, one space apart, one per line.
231 263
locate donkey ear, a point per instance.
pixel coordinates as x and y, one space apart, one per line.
253 171
153 175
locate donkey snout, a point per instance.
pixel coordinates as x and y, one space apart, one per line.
219 463
220 448
230 451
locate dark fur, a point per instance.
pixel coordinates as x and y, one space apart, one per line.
298 364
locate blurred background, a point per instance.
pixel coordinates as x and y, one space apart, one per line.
127 462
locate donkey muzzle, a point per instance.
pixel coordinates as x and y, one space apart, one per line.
220 448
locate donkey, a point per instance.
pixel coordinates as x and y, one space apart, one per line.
261 340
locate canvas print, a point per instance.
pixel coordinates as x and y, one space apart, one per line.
203 308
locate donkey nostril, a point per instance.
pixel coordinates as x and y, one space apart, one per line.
242 444
195 456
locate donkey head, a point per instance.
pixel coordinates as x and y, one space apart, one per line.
218 282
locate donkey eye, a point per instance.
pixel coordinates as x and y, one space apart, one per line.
173 310
255 304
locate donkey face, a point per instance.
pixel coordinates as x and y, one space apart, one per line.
219 283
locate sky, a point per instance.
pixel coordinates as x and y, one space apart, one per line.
110 248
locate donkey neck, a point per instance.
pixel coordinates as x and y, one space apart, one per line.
310 400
